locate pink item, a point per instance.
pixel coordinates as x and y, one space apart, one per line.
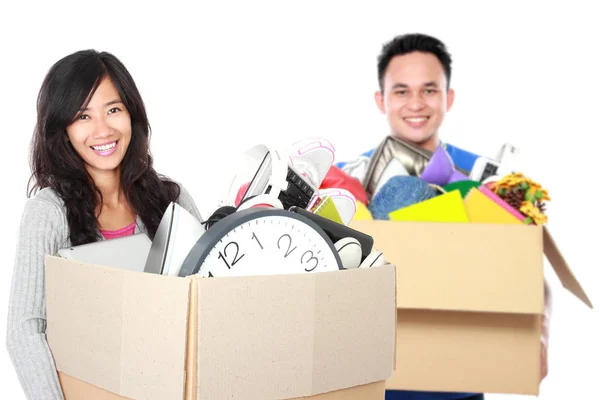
240 194
126 231
498 200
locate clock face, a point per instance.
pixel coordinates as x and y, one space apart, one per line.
264 242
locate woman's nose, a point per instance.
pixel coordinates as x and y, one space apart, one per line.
101 128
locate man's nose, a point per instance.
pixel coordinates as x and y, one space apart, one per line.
416 102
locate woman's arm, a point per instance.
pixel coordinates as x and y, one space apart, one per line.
186 201
42 231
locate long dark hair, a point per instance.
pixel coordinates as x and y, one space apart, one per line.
66 89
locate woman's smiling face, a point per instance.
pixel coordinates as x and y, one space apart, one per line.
102 131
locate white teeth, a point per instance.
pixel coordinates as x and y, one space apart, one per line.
417 120
105 147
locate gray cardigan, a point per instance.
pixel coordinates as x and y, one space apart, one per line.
43 230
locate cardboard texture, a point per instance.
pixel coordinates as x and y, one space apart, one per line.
119 334
470 299
101 320
76 389
315 350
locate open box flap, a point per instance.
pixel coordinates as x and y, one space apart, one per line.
562 270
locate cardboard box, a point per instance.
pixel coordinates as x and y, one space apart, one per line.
118 334
470 299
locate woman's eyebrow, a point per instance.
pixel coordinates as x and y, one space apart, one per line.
110 103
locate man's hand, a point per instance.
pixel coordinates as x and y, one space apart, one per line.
543 361
545 331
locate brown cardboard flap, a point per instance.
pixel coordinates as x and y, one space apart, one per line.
74 389
463 267
456 351
562 269
288 336
371 391
121 331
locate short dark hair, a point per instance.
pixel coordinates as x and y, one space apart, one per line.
410 43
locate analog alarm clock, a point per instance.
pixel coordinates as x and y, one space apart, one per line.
261 241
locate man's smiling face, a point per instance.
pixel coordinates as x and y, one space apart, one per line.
415 98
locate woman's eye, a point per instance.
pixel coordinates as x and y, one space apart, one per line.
114 110
83 116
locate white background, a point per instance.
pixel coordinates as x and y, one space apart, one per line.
218 79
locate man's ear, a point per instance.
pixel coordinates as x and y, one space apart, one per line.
449 99
379 101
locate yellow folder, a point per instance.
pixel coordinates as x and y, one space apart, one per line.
447 207
481 208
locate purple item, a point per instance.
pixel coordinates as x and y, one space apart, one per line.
457 176
440 168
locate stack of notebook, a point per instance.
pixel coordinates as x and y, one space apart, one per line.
479 205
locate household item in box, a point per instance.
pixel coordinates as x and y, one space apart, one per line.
128 252
413 160
439 169
447 207
482 208
177 233
261 241
336 231
343 202
399 192
463 186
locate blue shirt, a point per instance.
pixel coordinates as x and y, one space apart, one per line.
464 160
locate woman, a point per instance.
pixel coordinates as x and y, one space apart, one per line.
94 180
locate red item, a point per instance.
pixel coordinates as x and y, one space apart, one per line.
338 179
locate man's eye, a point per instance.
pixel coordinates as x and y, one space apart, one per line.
430 91
114 110
400 92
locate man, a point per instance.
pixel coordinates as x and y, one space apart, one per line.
414 94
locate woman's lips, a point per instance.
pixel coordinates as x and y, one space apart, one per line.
105 149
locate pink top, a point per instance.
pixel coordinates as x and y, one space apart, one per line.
126 231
